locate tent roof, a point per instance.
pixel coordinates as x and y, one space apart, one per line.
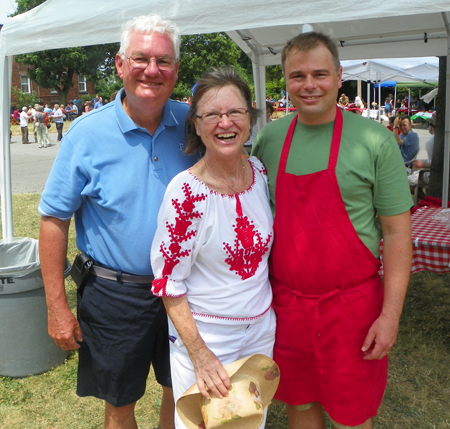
367 30
422 70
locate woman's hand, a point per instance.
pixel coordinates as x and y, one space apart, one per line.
210 373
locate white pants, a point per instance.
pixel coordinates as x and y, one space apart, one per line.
228 342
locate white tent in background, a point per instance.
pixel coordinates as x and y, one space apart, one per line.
398 71
428 73
259 27
373 70
428 97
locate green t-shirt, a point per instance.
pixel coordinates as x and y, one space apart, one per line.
370 170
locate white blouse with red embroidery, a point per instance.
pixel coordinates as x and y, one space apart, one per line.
214 248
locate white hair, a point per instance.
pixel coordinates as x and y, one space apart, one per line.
148 24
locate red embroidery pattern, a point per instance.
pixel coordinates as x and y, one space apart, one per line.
249 246
178 234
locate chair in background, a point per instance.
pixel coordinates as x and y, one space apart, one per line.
421 190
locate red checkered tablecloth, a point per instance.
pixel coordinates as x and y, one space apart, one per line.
431 242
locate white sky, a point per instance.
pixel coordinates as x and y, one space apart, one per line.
6 8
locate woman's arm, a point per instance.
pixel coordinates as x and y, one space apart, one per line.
209 372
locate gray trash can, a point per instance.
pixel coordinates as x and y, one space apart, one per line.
25 346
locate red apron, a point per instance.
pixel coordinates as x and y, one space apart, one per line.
327 293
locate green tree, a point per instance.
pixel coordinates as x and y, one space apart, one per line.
198 52
274 81
24 98
55 69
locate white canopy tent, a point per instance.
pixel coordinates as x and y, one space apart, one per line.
260 28
406 71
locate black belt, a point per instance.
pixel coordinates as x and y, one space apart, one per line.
118 276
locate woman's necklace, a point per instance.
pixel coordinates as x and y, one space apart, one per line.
223 181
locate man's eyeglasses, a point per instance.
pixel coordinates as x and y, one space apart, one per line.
141 63
215 117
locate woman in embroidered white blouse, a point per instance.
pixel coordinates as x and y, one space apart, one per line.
212 243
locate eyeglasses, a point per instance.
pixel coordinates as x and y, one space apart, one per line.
215 117
141 63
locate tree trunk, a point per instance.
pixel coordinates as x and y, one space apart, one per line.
437 163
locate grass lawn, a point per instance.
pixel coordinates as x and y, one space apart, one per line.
418 390
15 129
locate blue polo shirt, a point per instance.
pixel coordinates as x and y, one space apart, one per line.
410 146
112 175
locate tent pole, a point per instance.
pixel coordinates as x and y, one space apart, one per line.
259 78
379 99
409 101
395 100
447 119
368 99
5 152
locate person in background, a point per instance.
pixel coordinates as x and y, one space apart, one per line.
88 106
32 117
40 119
111 173
269 111
99 103
424 163
343 100
387 107
74 111
68 111
24 124
408 140
58 119
16 114
330 174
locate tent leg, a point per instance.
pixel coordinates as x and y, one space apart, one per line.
446 135
5 152
259 77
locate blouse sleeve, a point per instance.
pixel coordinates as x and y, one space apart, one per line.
179 220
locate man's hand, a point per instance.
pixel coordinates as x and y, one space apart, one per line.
381 338
210 373
64 328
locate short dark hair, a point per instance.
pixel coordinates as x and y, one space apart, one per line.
269 107
405 117
306 41
215 77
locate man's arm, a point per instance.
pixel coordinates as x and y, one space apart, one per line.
397 121
63 326
421 164
397 257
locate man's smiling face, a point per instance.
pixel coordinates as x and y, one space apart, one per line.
312 82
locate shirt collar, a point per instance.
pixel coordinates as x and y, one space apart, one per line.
126 123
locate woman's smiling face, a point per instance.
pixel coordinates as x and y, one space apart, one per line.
227 136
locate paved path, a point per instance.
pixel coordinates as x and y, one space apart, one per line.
30 165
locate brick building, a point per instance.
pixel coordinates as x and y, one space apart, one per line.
21 80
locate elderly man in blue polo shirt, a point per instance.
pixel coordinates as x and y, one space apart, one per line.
408 140
111 172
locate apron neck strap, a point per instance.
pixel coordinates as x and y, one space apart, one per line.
336 139
335 142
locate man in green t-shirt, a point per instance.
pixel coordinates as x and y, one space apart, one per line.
331 174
